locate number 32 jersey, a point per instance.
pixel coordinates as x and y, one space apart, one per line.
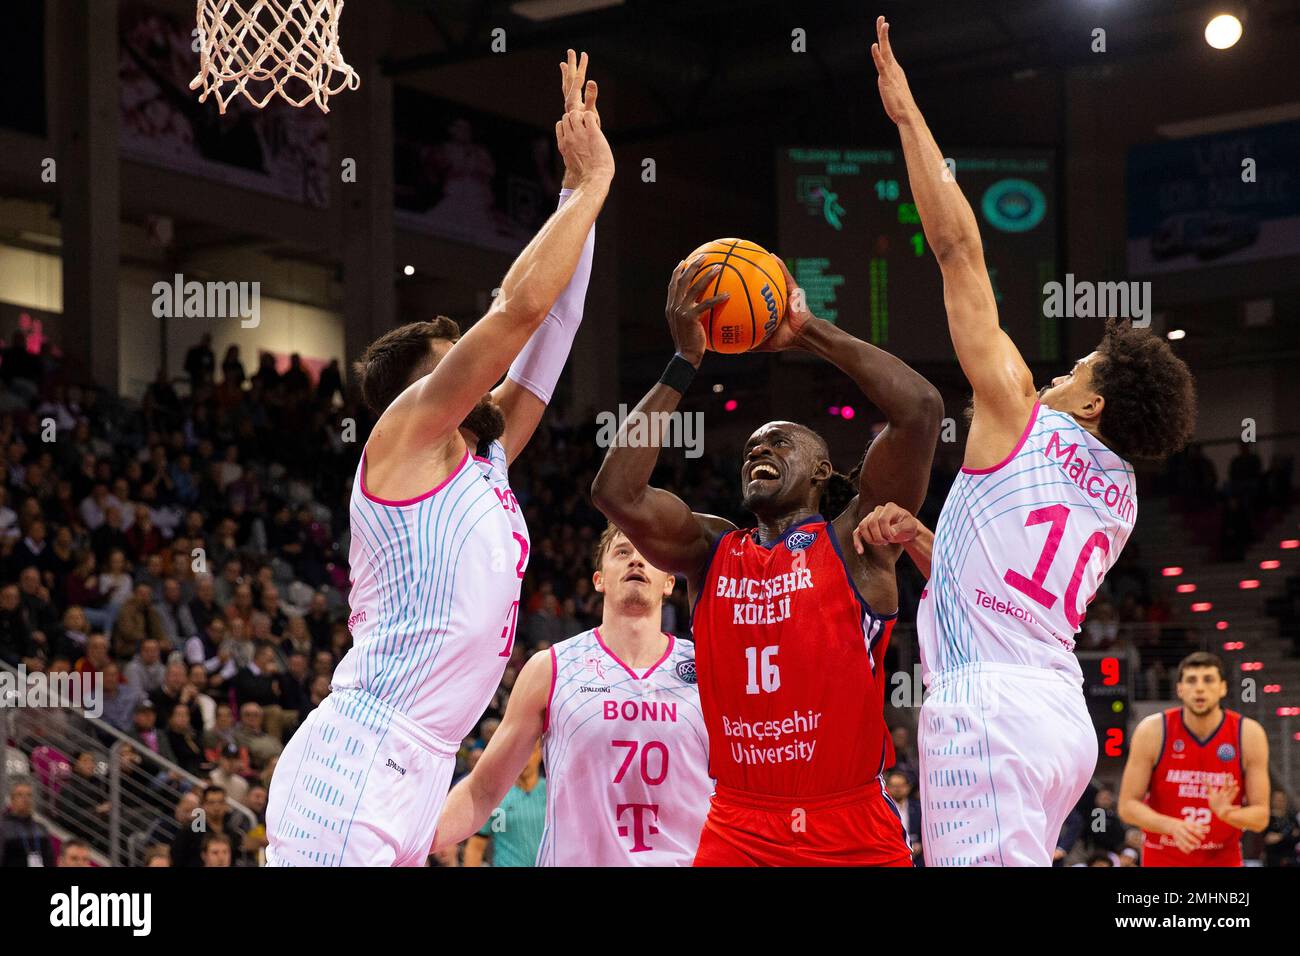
627 758
1021 548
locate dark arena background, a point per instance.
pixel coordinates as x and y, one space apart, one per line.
183 293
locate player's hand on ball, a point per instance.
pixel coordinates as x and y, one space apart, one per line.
685 307
585 150
1188 835
787 335
1222 799
887 524
894 91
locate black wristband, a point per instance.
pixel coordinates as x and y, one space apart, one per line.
678 374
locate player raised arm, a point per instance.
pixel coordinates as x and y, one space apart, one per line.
434 407
1143 752
897 464
472 801
1002 383
661 526
527 390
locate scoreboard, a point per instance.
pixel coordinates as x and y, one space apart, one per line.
850 234
1108 690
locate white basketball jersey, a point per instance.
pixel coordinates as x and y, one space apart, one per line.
627 758
435 598
1021 549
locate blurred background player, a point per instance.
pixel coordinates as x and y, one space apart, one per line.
618 712
1197 775
439 543
1041 510
514 829
789 639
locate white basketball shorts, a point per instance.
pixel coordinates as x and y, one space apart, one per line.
1006 751
358 784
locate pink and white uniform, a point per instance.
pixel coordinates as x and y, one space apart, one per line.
435 602
627 758
1006 743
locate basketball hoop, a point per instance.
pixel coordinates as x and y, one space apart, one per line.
258 47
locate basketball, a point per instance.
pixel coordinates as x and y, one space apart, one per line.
754 279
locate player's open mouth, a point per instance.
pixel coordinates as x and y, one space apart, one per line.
762 471
636 576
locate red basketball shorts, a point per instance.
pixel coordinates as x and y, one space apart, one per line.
858 827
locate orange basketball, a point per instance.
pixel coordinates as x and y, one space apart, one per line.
757 286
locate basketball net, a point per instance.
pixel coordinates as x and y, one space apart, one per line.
256 47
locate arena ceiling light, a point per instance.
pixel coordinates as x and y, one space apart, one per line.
539 10
1173 335
409 270
1223 31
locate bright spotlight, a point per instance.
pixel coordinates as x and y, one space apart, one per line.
409 270
1223 31
1173 335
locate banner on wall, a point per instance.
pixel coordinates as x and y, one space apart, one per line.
1214 200
279 150
470 176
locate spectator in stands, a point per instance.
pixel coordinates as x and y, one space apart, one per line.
121 698
253 848
295 692
136 621
174 614
74 853
251 735
899 786
81 589
146 732
83 805
16 643
75 629
176 690
96 657
115 582
216 850
1283 833
110 537
904 753
187 846
199 363
1105 830
202 700
23 841
158 856
183 741
147 670
229 772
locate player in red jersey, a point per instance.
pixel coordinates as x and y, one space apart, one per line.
790 627
1186 770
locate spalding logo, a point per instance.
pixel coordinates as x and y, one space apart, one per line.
686 671
800 540
1227 752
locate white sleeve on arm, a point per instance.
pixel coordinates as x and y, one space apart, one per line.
538 367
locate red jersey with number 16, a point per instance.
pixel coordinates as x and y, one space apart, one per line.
1180 784
789 659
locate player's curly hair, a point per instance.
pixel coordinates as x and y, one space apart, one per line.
1150 398
389 363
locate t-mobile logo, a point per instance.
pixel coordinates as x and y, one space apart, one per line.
641 827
